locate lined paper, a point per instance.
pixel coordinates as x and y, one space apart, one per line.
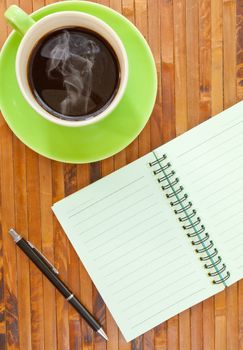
130 243
210 165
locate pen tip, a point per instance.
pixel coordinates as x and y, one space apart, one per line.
102 333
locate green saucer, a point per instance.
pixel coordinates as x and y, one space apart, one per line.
92 142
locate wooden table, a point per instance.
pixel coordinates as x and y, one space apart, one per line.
198 49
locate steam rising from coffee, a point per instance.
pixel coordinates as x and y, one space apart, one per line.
73 57
73 73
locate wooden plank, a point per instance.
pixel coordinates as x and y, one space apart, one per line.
220 321
112 332
208 324
239 48
229 35
196 327
232 317
23 262
48 2
229 45
160 337
141 15
2 303
60 245
217 57
99 308
154 39
8 220
44 319
26 5
49 291
179 20
37 4
154 42
192 33
185 330
11 324
86 298
103 2
137 343
173 333
95 171
34 223
128 10
83 176
3 338
116 5
204 60
167 57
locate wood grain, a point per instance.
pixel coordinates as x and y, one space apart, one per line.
49 292
21 217
61 260
34 224
239 49
229 35
83 174
198 50
192 35
128 10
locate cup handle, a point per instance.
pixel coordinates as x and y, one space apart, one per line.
18 19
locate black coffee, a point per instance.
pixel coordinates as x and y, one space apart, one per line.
73 73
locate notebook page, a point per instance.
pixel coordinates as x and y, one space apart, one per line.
130 243
209 162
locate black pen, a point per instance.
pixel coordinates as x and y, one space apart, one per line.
52 274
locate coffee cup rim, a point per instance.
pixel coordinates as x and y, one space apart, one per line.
28 95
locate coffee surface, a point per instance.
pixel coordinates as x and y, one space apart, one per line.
73 73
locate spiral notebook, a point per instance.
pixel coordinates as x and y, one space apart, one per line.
166 231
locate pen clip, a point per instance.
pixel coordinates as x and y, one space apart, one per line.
49 264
